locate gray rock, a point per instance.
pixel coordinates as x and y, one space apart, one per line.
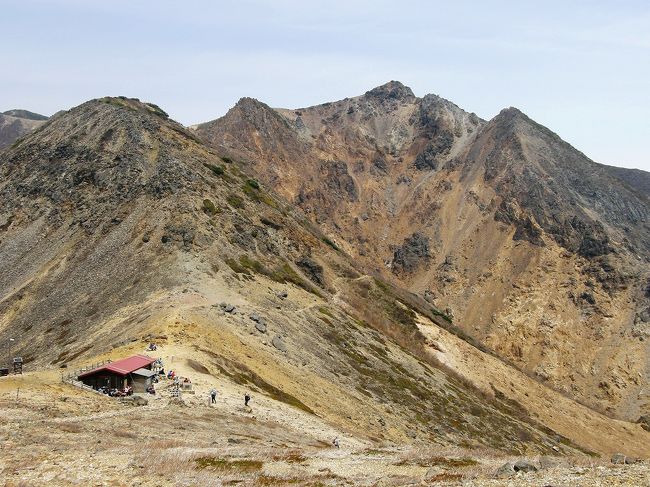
255 317
279 343
548 462
413 252
261 326
505 471
312 269
524 466
282 294
621 459
432 472
136 400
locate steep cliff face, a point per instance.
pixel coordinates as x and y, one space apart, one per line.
533 248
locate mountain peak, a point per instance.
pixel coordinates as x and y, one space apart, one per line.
391 90
26 114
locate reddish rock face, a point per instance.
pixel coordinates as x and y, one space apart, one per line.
531 222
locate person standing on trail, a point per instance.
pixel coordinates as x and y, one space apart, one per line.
336 443
213 396
247 398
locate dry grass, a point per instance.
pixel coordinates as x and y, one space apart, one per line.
445 477
70 427
125 434
440 462
293 456
228 465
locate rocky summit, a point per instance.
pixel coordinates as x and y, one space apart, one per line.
531 248
404 292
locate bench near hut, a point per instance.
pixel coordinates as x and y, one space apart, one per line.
134 372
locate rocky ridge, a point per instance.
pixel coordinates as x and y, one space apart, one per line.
536 251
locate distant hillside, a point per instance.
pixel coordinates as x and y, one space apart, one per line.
16 123
17 113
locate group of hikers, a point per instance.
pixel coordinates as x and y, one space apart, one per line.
247 399
213 397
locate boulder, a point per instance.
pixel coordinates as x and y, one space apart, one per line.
413 252
261 326
255 317
621 459
312 269
505 471
282 295
136 400
279 343
644 421
524 466
549 462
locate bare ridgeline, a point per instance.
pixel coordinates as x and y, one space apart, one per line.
404 292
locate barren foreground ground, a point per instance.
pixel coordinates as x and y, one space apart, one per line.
56 434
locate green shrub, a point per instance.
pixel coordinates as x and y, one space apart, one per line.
235 201
253 183
331 244
237 267
209 208
216 170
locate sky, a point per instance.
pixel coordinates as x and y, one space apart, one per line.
580 67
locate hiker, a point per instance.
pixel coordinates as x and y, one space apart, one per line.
213 396
336 443
247 398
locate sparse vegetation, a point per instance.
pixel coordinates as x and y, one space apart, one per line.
253 183
216 170
331 244
236 266
440 462
227 465
209 207
325 311
251 188
235 201
157 110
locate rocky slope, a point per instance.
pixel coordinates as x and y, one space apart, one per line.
532 248
16 123
117 224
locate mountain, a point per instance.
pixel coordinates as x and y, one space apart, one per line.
533 249
26 114
16 123
119 227
635 178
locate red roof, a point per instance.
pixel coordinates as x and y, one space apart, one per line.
124 366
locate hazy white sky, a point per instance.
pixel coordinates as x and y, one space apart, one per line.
580 67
